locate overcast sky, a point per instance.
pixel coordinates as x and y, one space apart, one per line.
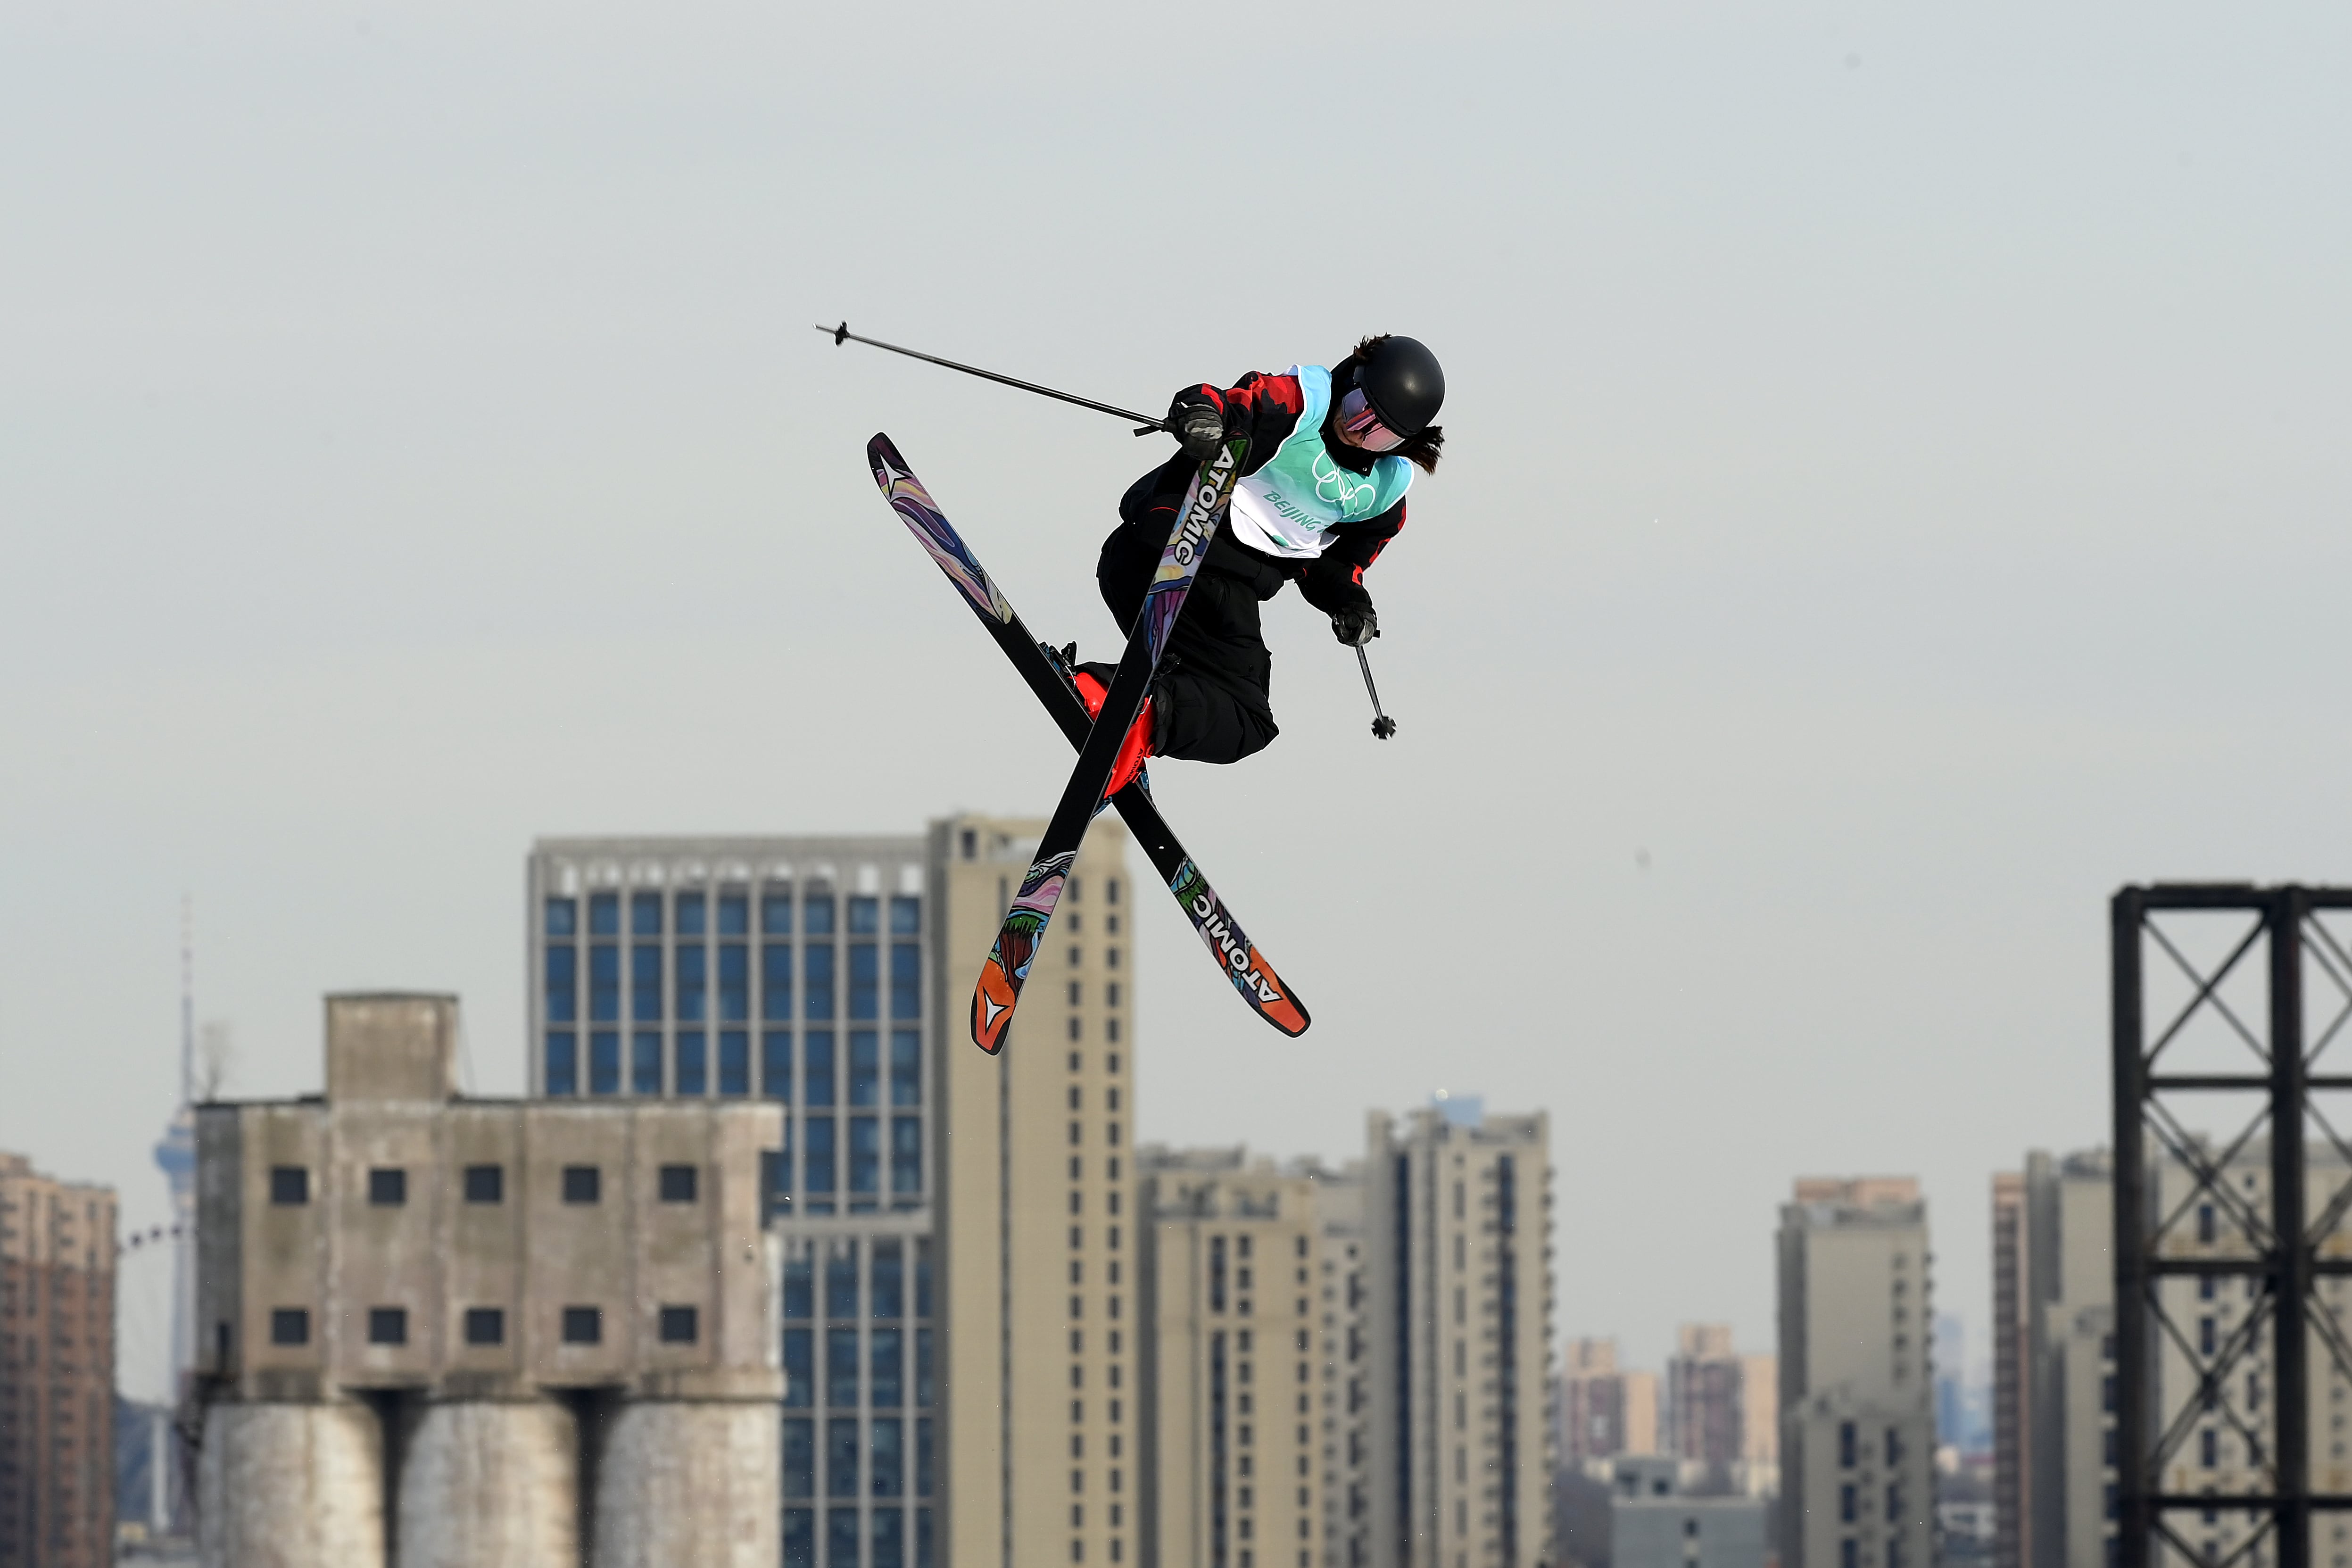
1897 483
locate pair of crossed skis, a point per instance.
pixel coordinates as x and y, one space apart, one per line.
1098 741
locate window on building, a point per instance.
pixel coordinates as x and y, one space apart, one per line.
841 1368
603 983
800 1538
562 1062
604 1061
734 914
693 909
734 983
817 915
734 1063
290 1185
563 982
645 983
485 1183
906 915
886 1368
864 981
865 916
581 1184
906 1154
817 1169
906 979
693 982
800 1456
387 1325
816 971
486 1326
776 1065
865 1068
841 1283
644 914
776 911
1849 1444
776 982
679 1325
583 1325
800 1369
887 1280
290 1326
563 917
841 1454
2207 1229
816 1066
679 1184
645 1062
693 1063
603 914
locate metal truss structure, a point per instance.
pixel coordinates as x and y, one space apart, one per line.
2179 1217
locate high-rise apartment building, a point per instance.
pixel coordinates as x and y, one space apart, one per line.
1458 1222
1346 1323
57 1370
1605 1410
1036 1212
2054 1353
1858 1401
1722 1411
1234 1367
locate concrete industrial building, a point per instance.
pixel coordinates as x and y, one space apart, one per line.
437 1330
57 1370
1655 1522
1857 1400
1605 1410
1233 1363
1458 1225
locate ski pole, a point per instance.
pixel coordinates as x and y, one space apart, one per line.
1148 425
1382 725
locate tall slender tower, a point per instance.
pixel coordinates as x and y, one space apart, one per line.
177 1154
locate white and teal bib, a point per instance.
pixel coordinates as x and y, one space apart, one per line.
1285 506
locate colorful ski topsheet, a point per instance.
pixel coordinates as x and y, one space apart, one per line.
1253 977
998 989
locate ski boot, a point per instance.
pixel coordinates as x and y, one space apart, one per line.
1092 683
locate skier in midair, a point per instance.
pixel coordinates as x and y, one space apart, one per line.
1322 488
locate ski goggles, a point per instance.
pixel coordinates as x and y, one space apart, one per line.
1364 426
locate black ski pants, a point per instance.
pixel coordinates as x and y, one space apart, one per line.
1209 696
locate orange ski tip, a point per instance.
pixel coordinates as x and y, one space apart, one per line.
992 1008
1279 1009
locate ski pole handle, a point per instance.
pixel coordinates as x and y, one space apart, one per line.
1382 725
1150 426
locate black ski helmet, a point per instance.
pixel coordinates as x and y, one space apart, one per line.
1401 379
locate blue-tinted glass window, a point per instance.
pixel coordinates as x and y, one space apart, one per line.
922 1277
885 1367
841 1465
800 1368
563 917
693 982
818 1169
864 1155
923 1558
776 912
800 1456
644 914
865 916
816 916
816 1066
888 1281
734 914
734 983
693 1063
645 1062
841 1284
923 1465
734 1062
890 1458
776 1063
783 1160
865 980
800 1287
890 1523
841 1532
800 1538
776 982
645 983
865 1068
816 969
693 909
841 1368
563 982
603 914
604 1061
906 916
562 1062
923 1388
905 1066
905 1153
604 982
906 979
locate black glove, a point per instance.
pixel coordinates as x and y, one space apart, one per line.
1197 425
1356 626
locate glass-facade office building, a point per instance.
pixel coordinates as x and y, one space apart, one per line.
791 969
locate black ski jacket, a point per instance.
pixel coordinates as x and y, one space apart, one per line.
1265 409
